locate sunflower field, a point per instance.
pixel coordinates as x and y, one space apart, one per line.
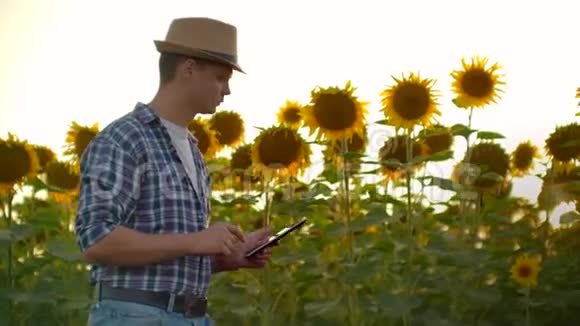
376 249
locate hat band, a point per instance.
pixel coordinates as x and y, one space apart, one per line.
220 55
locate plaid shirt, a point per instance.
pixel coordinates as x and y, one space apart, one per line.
131 175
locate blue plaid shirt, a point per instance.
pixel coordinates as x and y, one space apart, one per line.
131 175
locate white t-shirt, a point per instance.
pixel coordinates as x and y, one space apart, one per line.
179 137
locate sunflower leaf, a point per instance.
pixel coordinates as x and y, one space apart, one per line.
353 155
440 156
445 184
461 130
569 217
489 135
392 163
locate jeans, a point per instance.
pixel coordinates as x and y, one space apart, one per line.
122 313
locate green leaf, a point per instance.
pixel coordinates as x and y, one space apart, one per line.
457 104
440 156
64 248
348 156
578 114
569 217
396 306
21 232
382 122
461 130
489 135
5 237
244 310
392 163
486 296
445 184
321 307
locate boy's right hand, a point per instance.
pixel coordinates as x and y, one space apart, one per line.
217 239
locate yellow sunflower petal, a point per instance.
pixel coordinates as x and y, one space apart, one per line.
290 114
280 149
410 101
477 85
525 270
334 113
207 141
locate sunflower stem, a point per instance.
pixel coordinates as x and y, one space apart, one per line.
409 220
266 316
347 196
8 216
409 153
528 303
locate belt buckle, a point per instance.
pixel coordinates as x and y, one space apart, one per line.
194 306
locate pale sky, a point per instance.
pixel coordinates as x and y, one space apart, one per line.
91 61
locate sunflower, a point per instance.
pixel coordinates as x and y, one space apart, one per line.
281 149
64 177
335 113
485 167
207 141
523 158
19 161
525 271
78 138
559 186
436 138
394 151
45 155
332 152
476 85
562 144
229 127
411 101
241 164
290 114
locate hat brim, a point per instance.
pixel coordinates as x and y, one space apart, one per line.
222 58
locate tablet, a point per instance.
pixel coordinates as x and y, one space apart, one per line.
281 234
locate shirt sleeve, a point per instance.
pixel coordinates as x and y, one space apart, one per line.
109 188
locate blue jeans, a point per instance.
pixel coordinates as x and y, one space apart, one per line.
121 313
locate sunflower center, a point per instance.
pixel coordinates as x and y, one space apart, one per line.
562 143
292 115
45 155
411 101
241 158
395 148
58 174
335 111
15 163
82 140
524 271
279 147
202 139
489 157
439 142
229 128
355 144
477 83
523 157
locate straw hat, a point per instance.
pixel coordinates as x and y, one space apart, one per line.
203 38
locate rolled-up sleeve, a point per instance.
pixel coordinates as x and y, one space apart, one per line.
109 189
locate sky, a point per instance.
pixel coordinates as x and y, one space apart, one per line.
92 61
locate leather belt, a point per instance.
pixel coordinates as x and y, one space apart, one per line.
189 305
